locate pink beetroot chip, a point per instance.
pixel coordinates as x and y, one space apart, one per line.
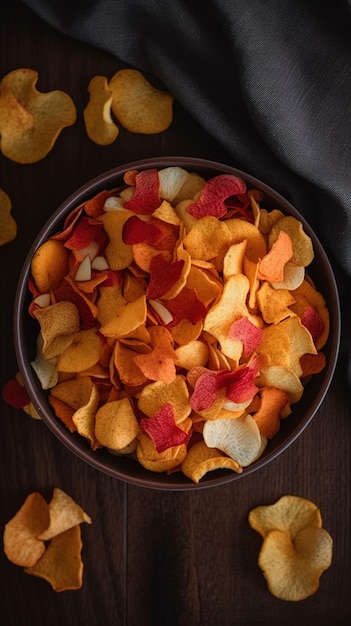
213 196
146 198
163 430
206 391
313 322
136 230
240 385
246 332
186 305
14 394
163 276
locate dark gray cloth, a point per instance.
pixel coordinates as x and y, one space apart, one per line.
270 80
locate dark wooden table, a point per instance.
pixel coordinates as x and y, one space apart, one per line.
151 558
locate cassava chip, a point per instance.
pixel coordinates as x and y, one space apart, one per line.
239 438
97 114
8 226
138 105
31 121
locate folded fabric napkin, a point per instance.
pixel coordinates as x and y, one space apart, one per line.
270 81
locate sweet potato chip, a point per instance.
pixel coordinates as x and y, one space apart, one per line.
49 265
61 564
8 225
31 121
116 425
64 513
97 114
201 459
138 105
271 266
84 351
301 243
58 323
154 461
289 514
21 544
267 418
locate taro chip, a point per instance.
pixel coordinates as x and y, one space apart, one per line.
21 544
61 564
8 226
239 438
64 513
97 114
163 430
138 105
201 459
171 179
31 121
293 277
116 425
301 243
271 266
213 196
49 265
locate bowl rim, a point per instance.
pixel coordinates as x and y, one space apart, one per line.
161 481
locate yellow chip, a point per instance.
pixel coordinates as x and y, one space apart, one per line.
97 114
301 342
155 395
200 460
58 323
119 255
21 544
30 121
289 514
234 259
8 226
154 461
282 377
138 105
274 304
116 425
84 417
194 353
241 230
207 239
61 564
128 317
208 287
84 351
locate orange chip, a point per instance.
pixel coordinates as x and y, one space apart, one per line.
282 377
267 417
207 238
61 564
125 365
128 317
157 394
21 543
201 459
84 417
116 425
49 265
194 353
30 121
271 266
159 364
8 226
64 412
138 106
273 304
167 460
84 351
301 243
97 114
118 254
58 323
241 230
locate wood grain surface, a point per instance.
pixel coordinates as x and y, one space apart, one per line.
150 557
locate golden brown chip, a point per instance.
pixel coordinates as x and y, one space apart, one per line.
293 568
97 114
64 513
58 322
21 543
8 226
303 253
138 105
31 121
149 458
61 565
116 425
202 459
84 351
289 514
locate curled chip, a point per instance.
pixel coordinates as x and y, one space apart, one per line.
170 318
296 550
45 539
138 105
31 121
97 114
8 226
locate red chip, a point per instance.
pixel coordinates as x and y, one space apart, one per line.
146 198
136 230
313 322
246 332
163 275
14 394
163 430
215 192
66 292
205 391
186 305
84 233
